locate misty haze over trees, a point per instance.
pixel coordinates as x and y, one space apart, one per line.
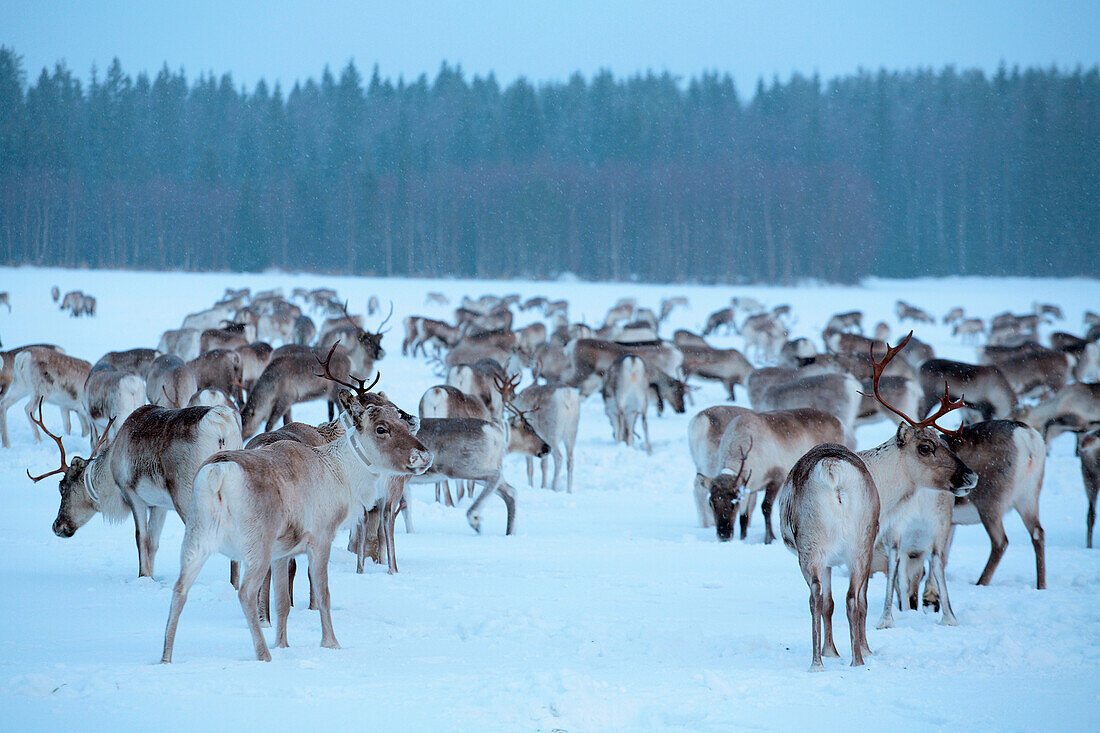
929 172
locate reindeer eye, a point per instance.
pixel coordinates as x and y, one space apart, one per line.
382 430
925 450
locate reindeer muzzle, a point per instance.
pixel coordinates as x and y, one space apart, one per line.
420 461
63 528
969 480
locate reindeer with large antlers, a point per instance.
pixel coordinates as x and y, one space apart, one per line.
268 504
836 505
364 347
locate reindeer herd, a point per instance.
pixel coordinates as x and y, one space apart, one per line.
168 427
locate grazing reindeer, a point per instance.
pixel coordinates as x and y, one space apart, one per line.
49 375
906 311
834 394
55 293
435 298
274 502
777 439
828 516
1088 450
704 436
229 336
669 304
146 471
970 329
171 382
915 523
955 314
626 398
722 318
466 448
554 411
218 369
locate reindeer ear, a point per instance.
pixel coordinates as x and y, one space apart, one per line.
903 434
412 421
349 403
77 462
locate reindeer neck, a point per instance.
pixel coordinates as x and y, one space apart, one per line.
346 451
883 463
100 486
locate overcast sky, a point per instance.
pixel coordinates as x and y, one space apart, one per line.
543 41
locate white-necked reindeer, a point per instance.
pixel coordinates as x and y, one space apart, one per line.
271 503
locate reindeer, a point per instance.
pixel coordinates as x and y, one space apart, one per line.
912 313
110 396
72 302
727 366
970 329
953 315
364 348
420 331
185 343
1010 458
828 516
704 437
989 393
170 383
1038 373
219 369
849 322
912 522
5 300
274 502
444 401
49 375
1047 309
554 412
229 336
719 319
471 449
834 394
796 353
134 361
1073 408
553 307
209 318
669 304
531 337
55 293
626 398
682 337
765 334
1088 450
254 359
289 378
591 358
435 298
773 441
146 471
539 301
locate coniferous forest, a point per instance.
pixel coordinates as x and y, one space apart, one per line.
925 172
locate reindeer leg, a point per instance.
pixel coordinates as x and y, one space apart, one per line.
29 409
770 492
812 576
559 460
941 581
405 508
140 512
263 601
1090 516
645 432
893 559
1030 515
318 575
257 563
280 574
192 557
746 509
998 544
828 648
235 574
157 516
855 617
531 471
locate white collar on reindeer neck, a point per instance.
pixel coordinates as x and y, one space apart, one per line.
352 435
88 488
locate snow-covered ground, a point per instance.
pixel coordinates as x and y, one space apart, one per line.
608 610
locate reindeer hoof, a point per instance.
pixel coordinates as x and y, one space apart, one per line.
330 644
816 667
886 623
949 621
830 653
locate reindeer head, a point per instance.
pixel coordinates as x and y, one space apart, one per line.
77 504
371 342
927 457
727 490
384 433
523 438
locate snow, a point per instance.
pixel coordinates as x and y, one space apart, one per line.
608 610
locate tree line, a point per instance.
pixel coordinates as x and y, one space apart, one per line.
901 174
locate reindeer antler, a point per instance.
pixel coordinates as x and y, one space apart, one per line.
744 457
385 320
946 405
174 403
360 390
102 438
507 388
57 439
